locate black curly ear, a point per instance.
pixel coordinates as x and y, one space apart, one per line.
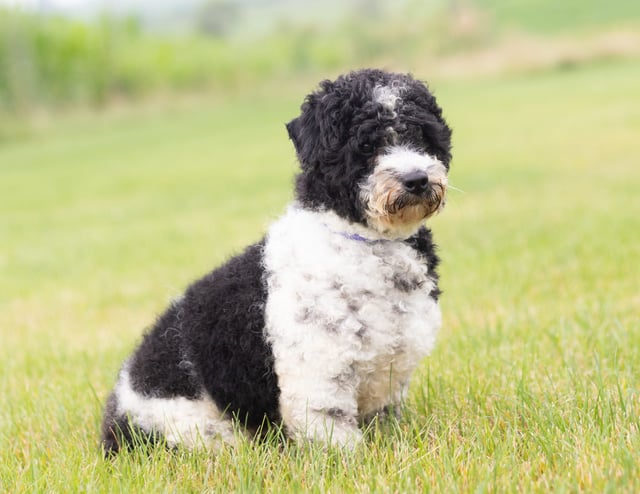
319 133
304 131
293 129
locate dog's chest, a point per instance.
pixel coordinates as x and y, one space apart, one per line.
358 302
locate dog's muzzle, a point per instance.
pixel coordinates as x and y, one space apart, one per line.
390 191
397 199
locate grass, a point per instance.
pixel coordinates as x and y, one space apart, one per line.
533 386
543 16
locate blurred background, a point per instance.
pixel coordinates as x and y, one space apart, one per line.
61 54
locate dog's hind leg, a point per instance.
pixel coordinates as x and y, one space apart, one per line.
132 417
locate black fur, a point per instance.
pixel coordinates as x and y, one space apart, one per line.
224 324
211 339
422 241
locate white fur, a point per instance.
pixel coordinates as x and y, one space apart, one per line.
403 159
192 423
387 96
345 337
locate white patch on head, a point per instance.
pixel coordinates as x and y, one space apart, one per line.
387 96
347 320
192 423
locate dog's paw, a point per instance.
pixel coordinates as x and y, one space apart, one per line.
347 437
329 432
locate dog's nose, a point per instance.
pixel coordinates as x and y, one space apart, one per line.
416 182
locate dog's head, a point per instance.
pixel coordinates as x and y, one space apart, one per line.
374 148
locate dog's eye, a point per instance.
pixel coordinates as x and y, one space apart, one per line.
366 148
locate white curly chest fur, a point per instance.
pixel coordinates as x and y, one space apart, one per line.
348 321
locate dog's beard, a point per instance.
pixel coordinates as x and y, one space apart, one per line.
391 209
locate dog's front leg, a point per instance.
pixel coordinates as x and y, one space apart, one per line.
316 404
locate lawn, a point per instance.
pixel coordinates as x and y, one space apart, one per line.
534 384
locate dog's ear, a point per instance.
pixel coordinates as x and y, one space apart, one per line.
318 133
304 133
293 128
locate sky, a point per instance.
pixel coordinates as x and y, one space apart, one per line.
47 4
32 3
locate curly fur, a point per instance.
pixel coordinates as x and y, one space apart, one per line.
320 324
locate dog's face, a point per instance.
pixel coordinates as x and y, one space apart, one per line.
374 148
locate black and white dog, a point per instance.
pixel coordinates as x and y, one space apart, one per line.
318 326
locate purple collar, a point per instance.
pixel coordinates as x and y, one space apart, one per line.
359 238
355 236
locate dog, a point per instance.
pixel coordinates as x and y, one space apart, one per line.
318 326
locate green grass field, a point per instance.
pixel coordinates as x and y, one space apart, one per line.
534 385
